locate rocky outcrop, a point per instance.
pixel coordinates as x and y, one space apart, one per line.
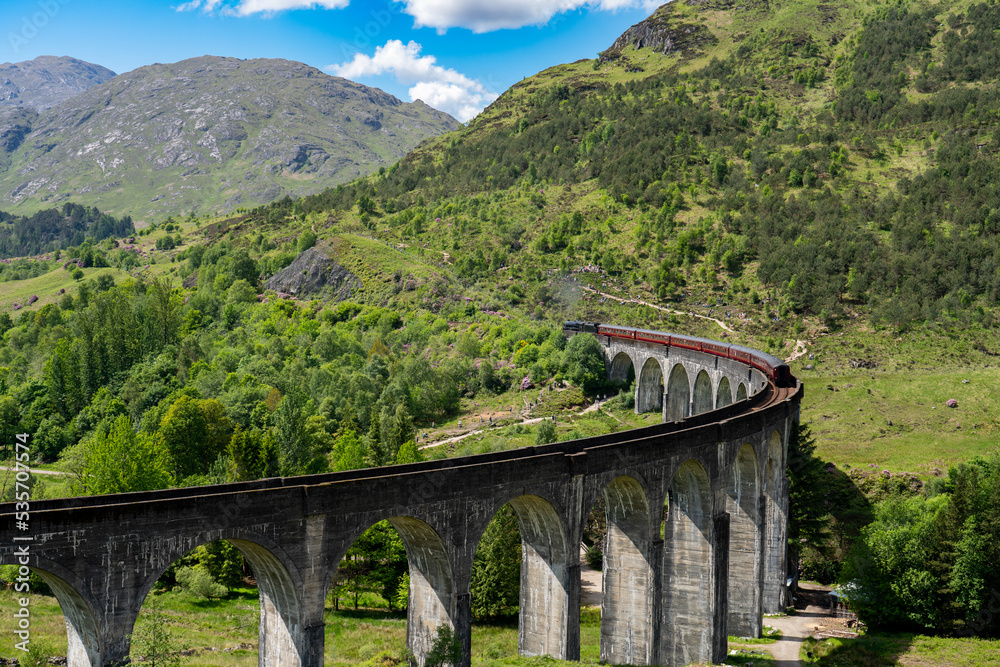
15 125
46 81
662 32
315 274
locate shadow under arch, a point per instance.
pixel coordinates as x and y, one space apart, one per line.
678 394
432 584
650 389
627 600
775 598
742 502
622 369
281 633
724 394
84 646
741 392
703 398
687 633
543 621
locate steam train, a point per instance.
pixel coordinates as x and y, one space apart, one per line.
774 368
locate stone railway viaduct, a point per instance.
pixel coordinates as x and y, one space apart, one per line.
696 545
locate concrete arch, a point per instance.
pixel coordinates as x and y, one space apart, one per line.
649 392
775 526
741 392
543 623
742 500
627 602
678 394
621 369
281 633
687 633
432 584
84 645
724 394
703 398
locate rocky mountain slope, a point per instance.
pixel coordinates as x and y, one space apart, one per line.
46 81
206 134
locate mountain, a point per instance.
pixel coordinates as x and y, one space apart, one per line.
47 81
206 134
818 165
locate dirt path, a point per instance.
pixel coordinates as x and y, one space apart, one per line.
794 630
812 618
479 431
661 308
799 352
37 471
591 582
526 421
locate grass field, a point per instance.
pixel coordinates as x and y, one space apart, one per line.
223 633
894 414
908 650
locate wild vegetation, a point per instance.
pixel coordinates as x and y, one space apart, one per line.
833 187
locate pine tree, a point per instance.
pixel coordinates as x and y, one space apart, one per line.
807 514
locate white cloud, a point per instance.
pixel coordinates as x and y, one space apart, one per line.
499 14
462 103
248 7
441 88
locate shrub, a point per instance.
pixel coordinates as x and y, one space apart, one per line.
546 433
199 582
595 557
446 649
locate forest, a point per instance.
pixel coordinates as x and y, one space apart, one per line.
53 229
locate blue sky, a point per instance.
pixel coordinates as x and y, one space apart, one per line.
456 55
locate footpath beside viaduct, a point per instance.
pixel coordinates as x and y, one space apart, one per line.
696 546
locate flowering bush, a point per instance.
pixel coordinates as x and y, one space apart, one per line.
951 403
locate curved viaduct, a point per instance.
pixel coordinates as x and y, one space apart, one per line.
696 515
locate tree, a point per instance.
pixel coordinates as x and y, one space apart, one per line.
152 644
375 563
195 432
121 460
396 428
246 452
584 358
409 453
296 451
446 649
495 584
223 561
306 241
546 432
807 511
348 452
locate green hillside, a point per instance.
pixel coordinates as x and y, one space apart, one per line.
816 180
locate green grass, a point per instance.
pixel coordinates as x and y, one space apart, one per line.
877 649
352 636
45 287
770 635
894 415
368 635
